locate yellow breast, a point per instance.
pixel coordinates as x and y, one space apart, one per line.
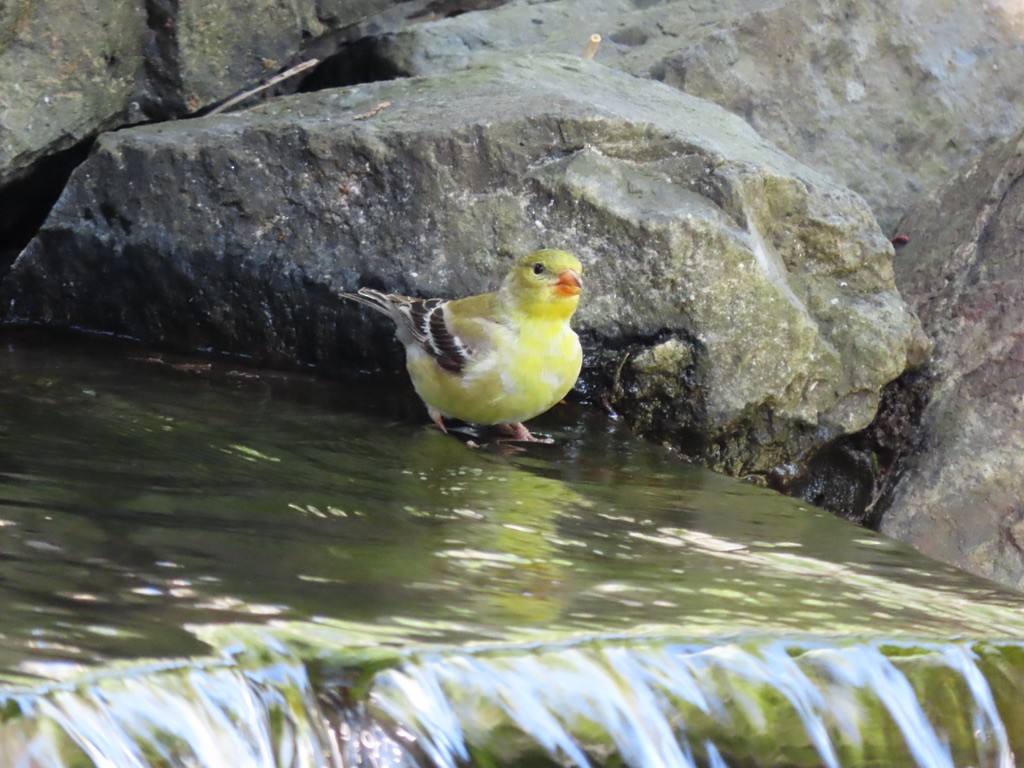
523 375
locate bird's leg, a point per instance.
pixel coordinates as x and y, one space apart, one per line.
436 418
519 433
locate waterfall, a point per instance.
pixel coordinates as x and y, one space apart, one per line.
188 714
682 705
650 703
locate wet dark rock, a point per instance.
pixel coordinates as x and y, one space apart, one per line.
854 476
962 497
739 306
837 478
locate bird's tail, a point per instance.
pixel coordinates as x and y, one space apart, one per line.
368 297
411 316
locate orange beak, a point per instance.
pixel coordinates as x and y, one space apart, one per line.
568 284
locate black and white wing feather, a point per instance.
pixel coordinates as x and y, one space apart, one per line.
424 322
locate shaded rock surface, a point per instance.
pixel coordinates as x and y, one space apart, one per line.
888 98
854 476
71 70
962 497
66 71
738 304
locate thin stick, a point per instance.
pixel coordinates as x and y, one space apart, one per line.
595 40
373 112
269 84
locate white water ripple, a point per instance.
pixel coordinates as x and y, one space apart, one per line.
680 706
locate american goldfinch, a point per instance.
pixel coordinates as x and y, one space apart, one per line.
498 358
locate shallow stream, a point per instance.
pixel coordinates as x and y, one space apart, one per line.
207 564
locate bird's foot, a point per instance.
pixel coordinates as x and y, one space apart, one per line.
437 419
519 433
458 431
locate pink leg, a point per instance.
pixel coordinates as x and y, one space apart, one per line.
436 417
519 433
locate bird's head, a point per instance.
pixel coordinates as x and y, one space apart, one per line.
546 283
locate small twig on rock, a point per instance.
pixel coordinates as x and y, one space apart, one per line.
595 40
618 372
291 72
612 413
606 399
373 112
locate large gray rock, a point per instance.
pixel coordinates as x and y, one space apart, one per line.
889 98
737 304
67 70
71 70
961 498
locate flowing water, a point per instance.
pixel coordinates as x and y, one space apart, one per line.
208 564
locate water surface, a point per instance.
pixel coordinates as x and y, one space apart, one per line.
160 507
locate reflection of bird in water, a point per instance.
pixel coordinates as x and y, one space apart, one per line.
506 557
498 358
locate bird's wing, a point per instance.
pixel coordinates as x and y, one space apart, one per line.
437 326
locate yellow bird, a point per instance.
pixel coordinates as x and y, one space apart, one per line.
499 358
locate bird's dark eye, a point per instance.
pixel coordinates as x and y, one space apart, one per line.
538 268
